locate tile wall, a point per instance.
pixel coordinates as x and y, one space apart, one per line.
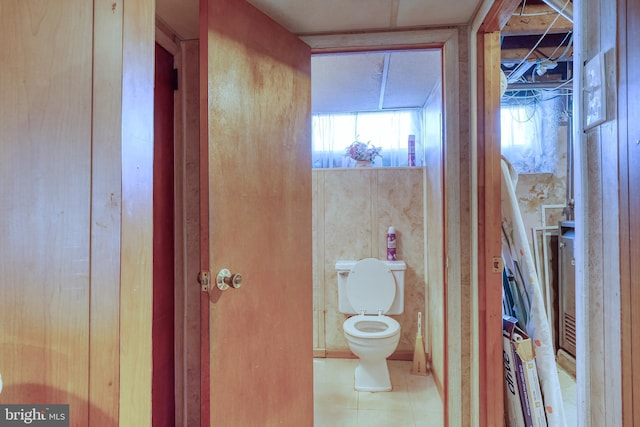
352 210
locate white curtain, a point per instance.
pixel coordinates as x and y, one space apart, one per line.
333 133
530 132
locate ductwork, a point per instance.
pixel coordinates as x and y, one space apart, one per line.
564 7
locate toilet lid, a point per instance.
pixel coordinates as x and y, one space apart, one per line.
371 286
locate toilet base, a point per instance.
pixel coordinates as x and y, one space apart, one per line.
372 375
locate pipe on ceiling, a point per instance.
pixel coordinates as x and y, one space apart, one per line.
563 7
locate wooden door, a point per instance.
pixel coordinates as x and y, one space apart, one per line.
163 380
256 83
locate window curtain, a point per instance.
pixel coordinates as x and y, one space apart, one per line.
390 130
530 132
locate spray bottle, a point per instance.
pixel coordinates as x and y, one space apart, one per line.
391 244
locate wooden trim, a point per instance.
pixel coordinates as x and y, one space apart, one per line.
489 232
347 354
628 134
626 327
498 15
567 362
455 363
319 353
379 41
166 38
377 48
339 354
456 357
205 368
187 318
490 393
181 280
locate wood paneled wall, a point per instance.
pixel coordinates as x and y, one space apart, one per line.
598 240
628 29
76 128
46 186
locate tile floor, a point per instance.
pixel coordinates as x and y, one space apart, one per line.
414 401
569 398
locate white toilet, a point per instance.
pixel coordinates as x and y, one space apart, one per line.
371 289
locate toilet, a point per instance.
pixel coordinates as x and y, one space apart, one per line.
371 289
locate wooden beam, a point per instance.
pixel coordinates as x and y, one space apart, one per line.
498 15
512 55
489 234
536 19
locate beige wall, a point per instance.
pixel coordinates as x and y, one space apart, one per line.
536 192
352 210
434 223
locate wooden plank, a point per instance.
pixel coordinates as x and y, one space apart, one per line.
629 151
626 329
498 16
539 53
489 234
137 213
45 169
536 20
105 215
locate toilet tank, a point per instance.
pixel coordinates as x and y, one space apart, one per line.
343 269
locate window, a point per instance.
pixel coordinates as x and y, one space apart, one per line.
333 133
529 128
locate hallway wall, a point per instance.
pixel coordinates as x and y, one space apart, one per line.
76 135
598 316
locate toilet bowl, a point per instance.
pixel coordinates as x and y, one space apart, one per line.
370 289
372 339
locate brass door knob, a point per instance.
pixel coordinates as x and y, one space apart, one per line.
225 280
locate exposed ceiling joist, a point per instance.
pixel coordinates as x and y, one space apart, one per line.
518 54
564 7
536 19
499 15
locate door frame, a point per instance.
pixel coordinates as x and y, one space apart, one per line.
486 41
186 224
455 359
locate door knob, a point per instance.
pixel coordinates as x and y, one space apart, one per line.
225 279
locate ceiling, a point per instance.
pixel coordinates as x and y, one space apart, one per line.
352 82
373 81
315 17
382 80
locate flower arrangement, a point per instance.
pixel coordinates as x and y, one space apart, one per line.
361 151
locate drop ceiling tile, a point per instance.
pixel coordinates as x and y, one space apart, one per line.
412 76
414 13
304 17
346 82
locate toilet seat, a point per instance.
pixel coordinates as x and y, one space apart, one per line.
362 326
371 287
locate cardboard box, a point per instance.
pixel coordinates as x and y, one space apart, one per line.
528 408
